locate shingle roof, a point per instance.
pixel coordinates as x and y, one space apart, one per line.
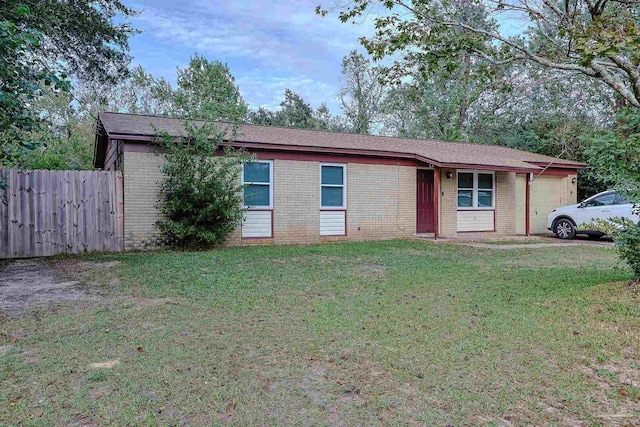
437 152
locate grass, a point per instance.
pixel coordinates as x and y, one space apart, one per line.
384 333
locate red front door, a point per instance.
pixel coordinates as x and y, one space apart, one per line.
426 204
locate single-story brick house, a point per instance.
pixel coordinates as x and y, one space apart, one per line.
311 186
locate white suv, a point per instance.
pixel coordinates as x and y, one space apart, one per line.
565 221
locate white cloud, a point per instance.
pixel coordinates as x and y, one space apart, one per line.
269 45
268 91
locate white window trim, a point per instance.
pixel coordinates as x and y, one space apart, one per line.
344 186
243 183
475 189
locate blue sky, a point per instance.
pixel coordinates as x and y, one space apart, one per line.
268 45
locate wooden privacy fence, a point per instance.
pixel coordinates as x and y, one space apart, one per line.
45 212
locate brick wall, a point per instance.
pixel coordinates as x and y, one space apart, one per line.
296 201
505 202
381 201
141 187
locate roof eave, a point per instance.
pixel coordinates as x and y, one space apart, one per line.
576 165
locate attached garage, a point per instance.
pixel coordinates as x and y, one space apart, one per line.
549 192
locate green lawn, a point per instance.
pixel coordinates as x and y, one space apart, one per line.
385 333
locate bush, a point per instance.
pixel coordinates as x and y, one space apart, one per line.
628 246
202 194
626 235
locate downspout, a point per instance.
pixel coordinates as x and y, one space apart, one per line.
436 210
527 226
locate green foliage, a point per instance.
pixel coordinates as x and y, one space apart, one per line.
206 90
597 39
627 238
202 195
363 94
615 156
41 43
21 79
297 113
58 153
88 38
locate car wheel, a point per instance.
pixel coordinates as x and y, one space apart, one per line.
564 229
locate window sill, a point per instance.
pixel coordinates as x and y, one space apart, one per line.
475 209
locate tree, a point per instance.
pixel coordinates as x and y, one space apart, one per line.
324 120
599 39
295 112
142 93
442 103
615 154
41 43
363 93
88 38
206 90
21 78
202 195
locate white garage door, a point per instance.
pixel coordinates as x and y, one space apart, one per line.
547 194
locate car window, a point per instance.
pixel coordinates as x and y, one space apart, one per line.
619 200
604 200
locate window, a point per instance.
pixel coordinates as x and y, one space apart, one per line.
619 200
257 178
332 186
604 200
475 190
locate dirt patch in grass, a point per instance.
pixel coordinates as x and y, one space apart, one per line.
634 285
371 271
4 349
37 284
617 385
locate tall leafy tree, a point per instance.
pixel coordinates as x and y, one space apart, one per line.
595 38
442 102
324 120
297 113
362 94
42 42
207 90
21 77
88 38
